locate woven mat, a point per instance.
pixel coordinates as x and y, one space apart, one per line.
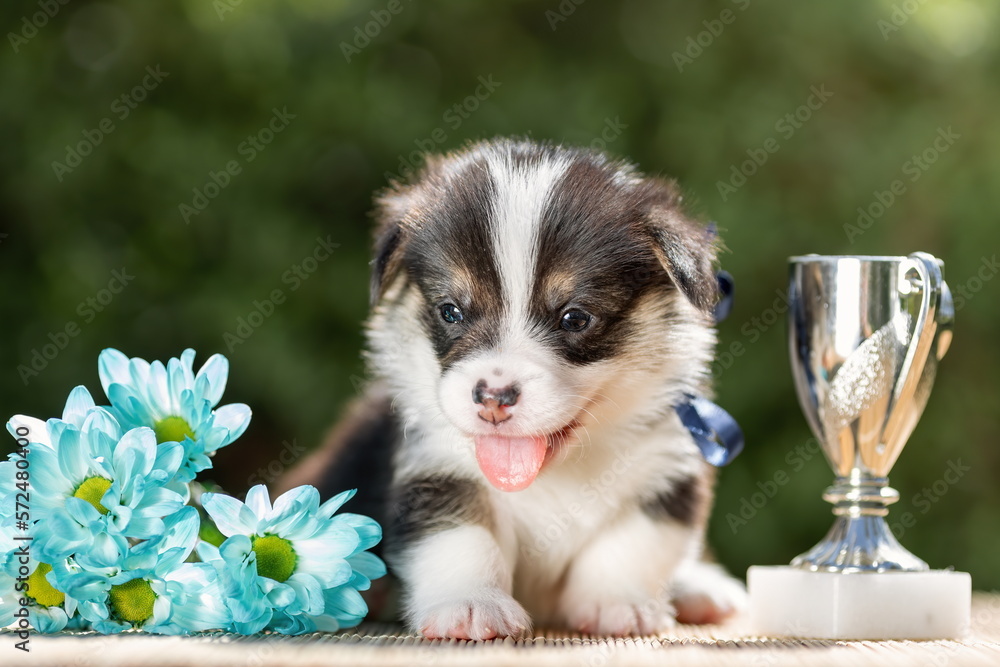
730 644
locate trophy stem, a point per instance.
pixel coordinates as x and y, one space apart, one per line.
860 540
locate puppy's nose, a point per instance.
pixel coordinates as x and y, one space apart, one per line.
495 401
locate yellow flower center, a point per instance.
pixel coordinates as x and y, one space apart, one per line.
41 591
172 429
132 601
92 490
275 557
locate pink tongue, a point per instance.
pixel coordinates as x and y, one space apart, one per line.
511 464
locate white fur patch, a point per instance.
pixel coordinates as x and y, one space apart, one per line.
521 194
632 596
706 593
459 585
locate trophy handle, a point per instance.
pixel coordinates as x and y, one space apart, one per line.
925 329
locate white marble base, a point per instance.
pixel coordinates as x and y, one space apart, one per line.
791 602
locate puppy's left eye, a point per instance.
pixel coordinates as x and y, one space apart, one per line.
575 321
451 313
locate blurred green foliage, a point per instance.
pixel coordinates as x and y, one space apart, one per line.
685 89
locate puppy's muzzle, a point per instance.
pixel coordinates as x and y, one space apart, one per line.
495 401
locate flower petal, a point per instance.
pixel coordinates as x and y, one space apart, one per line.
206 609
181 530
100 420
61 535
48 620
321 556
346 605
112 367
300 499
368 565
106 550
369 531
159 393
74 462
77 405
135 453
277 594
208 552
33 429
234 417
47 478
176 380
82 512
216 371
308 593
169 457
158 502
141 527
330 507
230 515
259 502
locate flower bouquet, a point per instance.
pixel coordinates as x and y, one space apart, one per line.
97 531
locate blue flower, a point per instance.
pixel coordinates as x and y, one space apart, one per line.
49 609
176 403
148 586
345 607
93 478
35 431
288 566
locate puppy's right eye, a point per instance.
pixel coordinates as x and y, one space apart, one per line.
451 313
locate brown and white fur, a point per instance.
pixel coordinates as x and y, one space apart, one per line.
608 538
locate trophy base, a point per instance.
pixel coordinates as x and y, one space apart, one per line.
792 602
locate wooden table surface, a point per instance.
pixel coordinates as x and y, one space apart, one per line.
730 644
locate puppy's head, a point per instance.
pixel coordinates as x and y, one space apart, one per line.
557 292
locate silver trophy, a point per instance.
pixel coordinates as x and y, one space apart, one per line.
866 336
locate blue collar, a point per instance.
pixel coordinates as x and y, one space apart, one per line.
714 430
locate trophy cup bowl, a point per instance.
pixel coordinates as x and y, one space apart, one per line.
865 336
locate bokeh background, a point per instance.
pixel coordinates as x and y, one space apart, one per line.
693 90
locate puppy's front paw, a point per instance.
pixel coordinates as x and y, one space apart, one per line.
485 615
705 594
621 618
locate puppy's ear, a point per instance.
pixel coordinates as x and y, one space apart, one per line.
686 249
392 206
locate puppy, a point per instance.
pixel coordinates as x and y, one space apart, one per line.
538 313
